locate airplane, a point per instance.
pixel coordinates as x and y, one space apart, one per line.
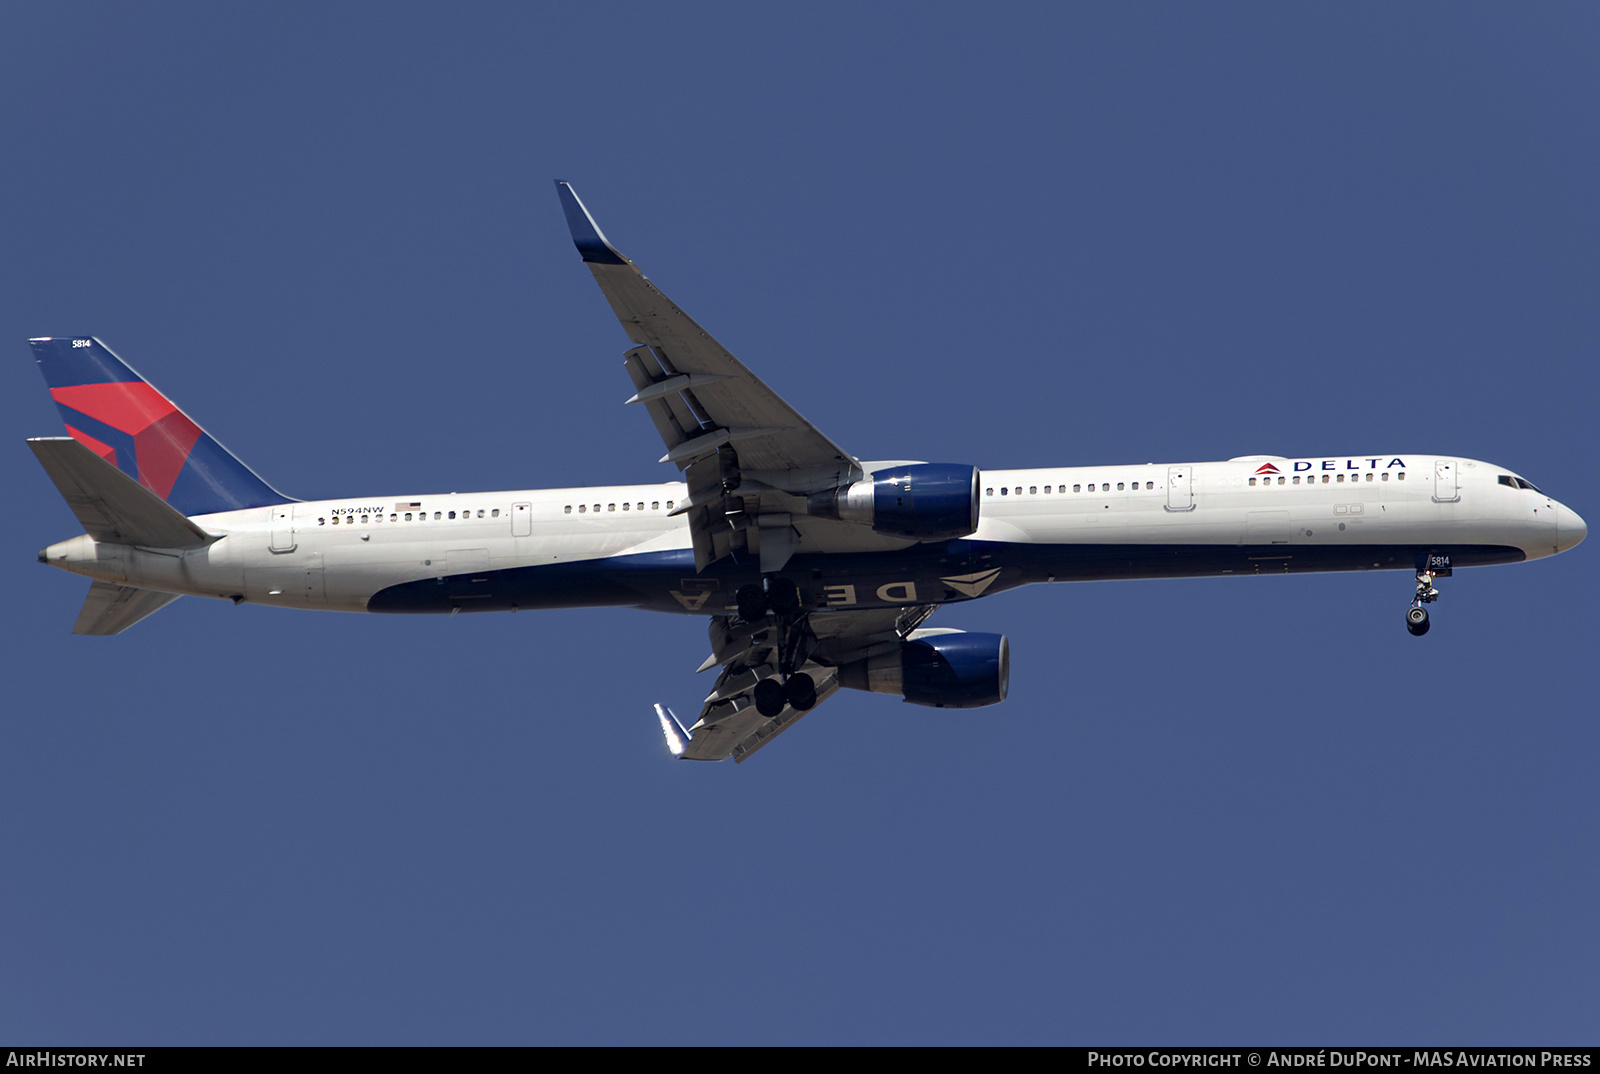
817 570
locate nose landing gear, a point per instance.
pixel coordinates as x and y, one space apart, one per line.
1417 615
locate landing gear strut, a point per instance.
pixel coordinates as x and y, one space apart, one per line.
1417 614
780 598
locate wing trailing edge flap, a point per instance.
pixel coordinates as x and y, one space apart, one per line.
113 507
110 609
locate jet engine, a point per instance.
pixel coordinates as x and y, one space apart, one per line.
925 501
941 668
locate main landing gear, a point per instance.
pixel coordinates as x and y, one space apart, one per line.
1417 614
780 598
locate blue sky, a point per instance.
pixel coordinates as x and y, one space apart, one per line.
1211 811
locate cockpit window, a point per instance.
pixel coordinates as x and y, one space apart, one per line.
1521 484
1508 481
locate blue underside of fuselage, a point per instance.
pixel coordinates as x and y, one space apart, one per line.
933 573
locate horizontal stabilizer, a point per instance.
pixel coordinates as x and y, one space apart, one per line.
112 506
111 609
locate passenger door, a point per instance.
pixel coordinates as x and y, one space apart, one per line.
1180 488
1444 481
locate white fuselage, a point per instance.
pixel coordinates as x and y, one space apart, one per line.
339 554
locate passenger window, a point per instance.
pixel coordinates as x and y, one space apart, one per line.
437 515
655 505
408 516
1386 476
452 514
1019 490
1252 482
582 508
1369 477
641 507
1005 492
1063 488
480 512
363 520
1324 479
495 513
1121 486
1149 484
1033 490
669 505
322 521
611 507
568 511
627 506
1401 476
1297 479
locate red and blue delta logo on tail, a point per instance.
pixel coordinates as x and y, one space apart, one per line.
121 417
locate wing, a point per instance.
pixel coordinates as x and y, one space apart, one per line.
730 724
720 424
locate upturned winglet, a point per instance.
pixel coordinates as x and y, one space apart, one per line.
586 235
677 738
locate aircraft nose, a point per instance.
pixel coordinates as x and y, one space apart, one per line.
1570 528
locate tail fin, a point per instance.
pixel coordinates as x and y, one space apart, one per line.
120 416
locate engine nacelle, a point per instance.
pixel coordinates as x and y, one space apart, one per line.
945 669
925 501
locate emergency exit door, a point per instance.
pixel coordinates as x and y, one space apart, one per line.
282 528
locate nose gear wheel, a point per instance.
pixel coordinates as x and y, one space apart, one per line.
1417 615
